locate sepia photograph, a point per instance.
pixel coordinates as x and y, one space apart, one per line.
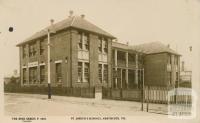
100 61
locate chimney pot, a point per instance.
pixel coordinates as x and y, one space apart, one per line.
82 16
71 13
52 21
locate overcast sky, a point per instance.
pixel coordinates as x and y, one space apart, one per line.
172 22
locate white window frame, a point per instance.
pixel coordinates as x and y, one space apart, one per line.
102 71
83 42
83 72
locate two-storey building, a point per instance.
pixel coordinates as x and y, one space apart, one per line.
84 55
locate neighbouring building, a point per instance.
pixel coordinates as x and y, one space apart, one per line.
83 55
10 77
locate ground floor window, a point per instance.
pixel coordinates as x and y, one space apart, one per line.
83 72
24 76
100 73
80 72
169 76
131 79
177 76
42 74
86 72
140 78
32 75
103 73
58 72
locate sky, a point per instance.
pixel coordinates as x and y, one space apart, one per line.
171 22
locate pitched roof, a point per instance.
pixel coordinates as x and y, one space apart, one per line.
153 47
76 22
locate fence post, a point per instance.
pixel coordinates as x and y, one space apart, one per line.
142 108
147 98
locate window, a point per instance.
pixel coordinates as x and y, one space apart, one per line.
169 59
105 45
86 41
42 74
131 58
80 72
83 41
105 73
80 46
58 72
83 72
42 47
32 49
176 60
100 44
100 73
140 59
24 51
169 77
33 75
24 75
177 76
121 56
86 72
140 78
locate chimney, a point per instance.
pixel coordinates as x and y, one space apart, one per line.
190 48
52 21
71 13
183 66
83 16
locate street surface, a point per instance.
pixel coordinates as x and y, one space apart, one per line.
38 105
34 104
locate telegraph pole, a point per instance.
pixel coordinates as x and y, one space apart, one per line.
49 58
49 67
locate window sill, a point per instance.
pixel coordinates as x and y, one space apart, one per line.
83 50
82 82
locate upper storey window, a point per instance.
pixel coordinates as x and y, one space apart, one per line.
86 41
42 47
24 51
80 45
100 44
176 60
32 49
103 45
169 59
83 41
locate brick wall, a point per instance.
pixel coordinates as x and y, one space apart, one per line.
60 50
155 69
93 59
